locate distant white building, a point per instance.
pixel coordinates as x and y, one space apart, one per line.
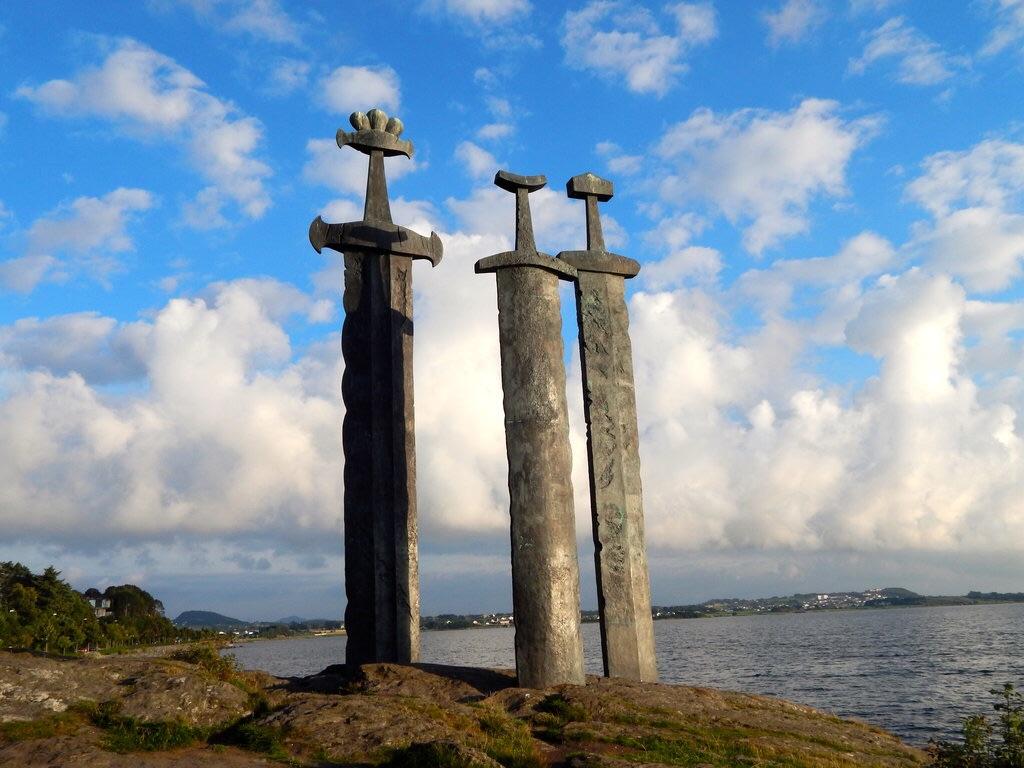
100 606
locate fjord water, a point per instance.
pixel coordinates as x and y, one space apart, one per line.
915 671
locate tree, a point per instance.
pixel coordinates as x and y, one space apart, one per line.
988 745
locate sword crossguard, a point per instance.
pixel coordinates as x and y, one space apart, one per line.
593 189
526 253
376 135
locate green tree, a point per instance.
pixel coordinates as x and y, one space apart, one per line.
986 744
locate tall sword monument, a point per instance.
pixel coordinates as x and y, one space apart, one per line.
609 402
378 435
545 569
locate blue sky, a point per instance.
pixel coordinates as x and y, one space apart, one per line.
826 196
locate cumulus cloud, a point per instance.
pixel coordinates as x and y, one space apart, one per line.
477 161
919 59
615 40
990 174
88 232
916 460
151 97
344 169
558 222
85 343
230 438
359 89
617 160
975 198
743 446
1009 27
763 167
793 21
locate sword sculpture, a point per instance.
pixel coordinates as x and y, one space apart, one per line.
378 435
545 570
609 400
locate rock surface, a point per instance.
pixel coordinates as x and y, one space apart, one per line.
411 717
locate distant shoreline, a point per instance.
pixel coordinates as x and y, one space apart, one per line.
591 617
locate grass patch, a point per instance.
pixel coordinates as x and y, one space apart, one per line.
207 657
508 741
552 714
128 734
255 737
43 728
430 755
225 668
718 747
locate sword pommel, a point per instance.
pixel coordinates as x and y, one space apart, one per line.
374 130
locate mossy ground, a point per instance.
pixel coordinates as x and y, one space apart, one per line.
403 717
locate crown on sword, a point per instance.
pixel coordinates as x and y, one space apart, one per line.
374 130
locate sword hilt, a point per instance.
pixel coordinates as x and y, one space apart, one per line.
522 186
593 189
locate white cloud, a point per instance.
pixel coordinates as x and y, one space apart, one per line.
263 20
993 239
793 20
975 199
839 282
150 96
90 231
617 161
914 461
477 161
742 447
499 107
24 273
990 174
558 221
765 167
360 89
1009 28
288 75
485 77
696 262
614 39
252 453
480 12
344 169
495 131
85 342
920 60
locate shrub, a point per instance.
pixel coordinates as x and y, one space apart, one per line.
208 657
986 744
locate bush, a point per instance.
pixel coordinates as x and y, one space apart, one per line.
207 657
986 744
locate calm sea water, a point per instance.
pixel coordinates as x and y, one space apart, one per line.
915 671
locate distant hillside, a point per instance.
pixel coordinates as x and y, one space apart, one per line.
208 620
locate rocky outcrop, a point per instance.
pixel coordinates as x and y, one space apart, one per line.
32 686
406 717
